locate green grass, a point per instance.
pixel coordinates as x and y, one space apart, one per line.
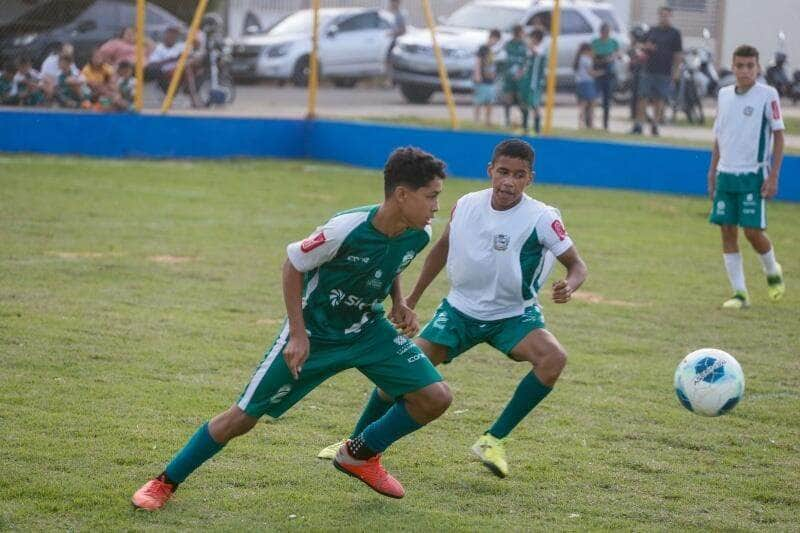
137 297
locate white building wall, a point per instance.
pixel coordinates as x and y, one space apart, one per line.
758 24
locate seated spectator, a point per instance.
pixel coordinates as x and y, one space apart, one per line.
126 87
50 71
100 78
8 89
164 58
71 90
123 48
29 83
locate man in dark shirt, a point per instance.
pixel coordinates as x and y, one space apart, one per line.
664 47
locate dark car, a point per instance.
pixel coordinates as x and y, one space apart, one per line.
84 23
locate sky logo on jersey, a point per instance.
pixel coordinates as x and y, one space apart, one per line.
558 228
312 242
776 110
339 297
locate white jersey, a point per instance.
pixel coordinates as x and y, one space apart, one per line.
744 127
497 259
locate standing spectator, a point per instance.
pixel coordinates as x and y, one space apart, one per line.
8 89
516 58
71 89
126 86
585 87
637 56
123 48
664 47
29 83
484 78
100 78
535 76
398 29
606 50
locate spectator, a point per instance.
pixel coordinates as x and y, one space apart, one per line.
516 58
606 50
29 83
484 78
585 87
71 89
535 76
123 48
8 89
664 47
398 29
164 58
50 70
99 77
126 86
637 59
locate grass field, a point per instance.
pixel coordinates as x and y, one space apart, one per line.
137 297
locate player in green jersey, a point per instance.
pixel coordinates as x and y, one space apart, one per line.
333 285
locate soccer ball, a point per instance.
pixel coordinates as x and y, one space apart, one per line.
709 382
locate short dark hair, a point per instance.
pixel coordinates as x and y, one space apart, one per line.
495 33
516 149
746 50
411 167
517 30
536 34
665 8
124 64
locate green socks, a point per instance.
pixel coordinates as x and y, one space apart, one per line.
200 448
529 393
376 407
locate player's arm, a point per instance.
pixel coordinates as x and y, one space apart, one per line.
770 187
296 351
576 274
712 169
402 316
434 264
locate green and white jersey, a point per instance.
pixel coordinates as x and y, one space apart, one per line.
349 268
498 259
744 127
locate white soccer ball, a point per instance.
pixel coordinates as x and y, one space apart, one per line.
709 382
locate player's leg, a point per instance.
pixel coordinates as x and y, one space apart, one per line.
725 214
753 209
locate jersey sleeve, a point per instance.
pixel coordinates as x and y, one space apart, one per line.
772 111
551 232
323 243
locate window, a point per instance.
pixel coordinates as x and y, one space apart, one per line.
363 21
573 22
688 5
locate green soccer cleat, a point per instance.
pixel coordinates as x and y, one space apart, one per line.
738 301
329 452
492 453
775 285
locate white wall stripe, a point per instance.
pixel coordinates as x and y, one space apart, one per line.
262 369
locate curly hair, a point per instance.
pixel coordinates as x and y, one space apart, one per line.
516 149
411 167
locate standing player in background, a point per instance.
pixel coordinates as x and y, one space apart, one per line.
496 247
740 177
333 286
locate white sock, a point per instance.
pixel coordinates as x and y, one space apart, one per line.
735 268
769 263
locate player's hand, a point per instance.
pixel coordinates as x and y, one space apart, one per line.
562 292
296 353
404 319
770 187
712 183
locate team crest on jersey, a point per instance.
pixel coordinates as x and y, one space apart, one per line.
312 242
501 242
776 110
748 110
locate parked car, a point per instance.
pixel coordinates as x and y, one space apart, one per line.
84 23
353 44
414 66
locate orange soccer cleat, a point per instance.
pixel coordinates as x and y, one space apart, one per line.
370 471
153 495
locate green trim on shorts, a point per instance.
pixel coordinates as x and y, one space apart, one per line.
458 332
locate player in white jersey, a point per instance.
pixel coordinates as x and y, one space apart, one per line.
496 247
741 178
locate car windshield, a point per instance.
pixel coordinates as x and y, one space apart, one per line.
51 14
299 22
485 17
607 16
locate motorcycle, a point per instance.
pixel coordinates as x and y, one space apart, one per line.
692 83
777 73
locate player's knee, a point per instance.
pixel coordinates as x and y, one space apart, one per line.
753 234
552 366
437 399
231 424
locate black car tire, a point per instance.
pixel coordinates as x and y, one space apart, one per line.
346 83
416 94
301 72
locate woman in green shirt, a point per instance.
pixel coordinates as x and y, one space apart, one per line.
605 50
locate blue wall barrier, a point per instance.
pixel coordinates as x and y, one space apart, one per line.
559 161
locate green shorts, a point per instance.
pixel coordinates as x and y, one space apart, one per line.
390 360
738 201
452 328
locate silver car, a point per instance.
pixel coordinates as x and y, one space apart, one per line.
414 68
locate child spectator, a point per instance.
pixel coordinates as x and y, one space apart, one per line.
584 84
606 51
71 90
126 86
50 69
484 78
100 78
29 83
8 89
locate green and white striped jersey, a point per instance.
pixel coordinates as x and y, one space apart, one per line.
349 268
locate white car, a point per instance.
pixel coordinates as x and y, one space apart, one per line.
414 67
353 44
